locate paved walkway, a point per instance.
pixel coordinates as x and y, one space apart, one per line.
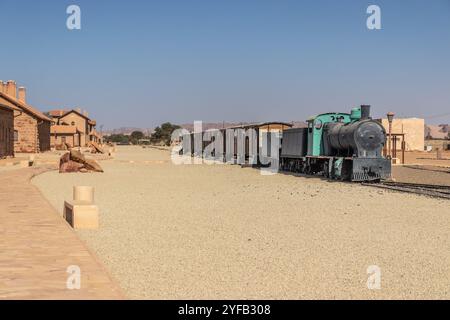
9 162
37 246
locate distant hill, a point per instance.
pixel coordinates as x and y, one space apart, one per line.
127 131
441 131
190 127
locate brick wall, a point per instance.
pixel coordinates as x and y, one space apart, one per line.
57 140
6 133
438 144
26 126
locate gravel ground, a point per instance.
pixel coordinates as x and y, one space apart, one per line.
223 232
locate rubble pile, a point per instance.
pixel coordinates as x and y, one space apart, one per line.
74 161
95 148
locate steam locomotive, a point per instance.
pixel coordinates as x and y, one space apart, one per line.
342 146
339 146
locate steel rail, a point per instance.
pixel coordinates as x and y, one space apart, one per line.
436 191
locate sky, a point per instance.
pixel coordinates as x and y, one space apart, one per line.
140 63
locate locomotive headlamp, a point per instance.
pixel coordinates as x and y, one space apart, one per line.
318 124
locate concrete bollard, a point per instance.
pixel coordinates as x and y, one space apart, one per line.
31 160
81 212
24 163
83 193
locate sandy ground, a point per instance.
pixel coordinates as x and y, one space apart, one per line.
422 174
223 232
427 158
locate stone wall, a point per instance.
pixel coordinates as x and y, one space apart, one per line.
438 144
26 127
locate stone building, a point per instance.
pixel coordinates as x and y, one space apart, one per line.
437 137
6 131
64 136
412 128
31 127
82 129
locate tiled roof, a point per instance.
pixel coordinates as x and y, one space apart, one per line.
4 106
56 113
261 124
75 111
60 113
25 107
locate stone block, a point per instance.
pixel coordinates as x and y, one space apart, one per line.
81 214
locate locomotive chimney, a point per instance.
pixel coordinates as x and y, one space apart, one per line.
365 112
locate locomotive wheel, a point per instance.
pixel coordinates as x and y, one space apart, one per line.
325 169
307 169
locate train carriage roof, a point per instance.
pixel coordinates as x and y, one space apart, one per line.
260 124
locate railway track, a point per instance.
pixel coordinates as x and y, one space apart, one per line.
435 191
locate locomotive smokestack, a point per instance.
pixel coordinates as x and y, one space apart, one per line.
365 112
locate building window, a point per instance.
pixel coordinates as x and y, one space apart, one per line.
73 123
16 135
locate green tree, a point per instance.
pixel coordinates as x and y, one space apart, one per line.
136 136
117 138
163 133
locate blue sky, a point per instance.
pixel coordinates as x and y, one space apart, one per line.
140 63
